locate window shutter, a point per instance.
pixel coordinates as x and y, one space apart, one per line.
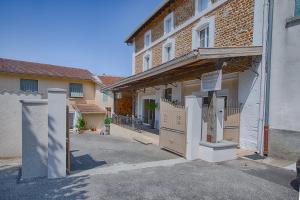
297 7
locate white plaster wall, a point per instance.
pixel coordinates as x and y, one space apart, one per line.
285 70
249 96
34 138
11 122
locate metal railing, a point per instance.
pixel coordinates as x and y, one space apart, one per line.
135 124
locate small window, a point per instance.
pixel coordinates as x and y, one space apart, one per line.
105 95
203 37
168 94
147 61
168 53
147 39
76 90
202 5
29 85
297 7
168 50
168 23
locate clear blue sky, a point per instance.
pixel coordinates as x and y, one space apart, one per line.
77 33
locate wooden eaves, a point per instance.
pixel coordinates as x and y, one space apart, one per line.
191 66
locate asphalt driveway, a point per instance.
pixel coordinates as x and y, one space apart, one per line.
143 174
94 150
234 180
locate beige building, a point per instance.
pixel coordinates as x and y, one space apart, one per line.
80 85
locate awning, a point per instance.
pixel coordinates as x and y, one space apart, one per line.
89 109
191 66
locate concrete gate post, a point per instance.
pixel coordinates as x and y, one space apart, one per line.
193 106
56 133
34 138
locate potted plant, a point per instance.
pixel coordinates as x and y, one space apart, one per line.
107 122
151 106
80 124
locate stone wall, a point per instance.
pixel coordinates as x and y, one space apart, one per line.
233 27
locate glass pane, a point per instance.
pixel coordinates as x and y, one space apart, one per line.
28 85
297 7
207 37
105 96
168 53
202 38
202 5
76 90
147 40
168 25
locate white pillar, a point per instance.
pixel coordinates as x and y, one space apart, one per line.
193 105
34 138
56 133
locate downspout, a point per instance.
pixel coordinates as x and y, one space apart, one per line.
268 74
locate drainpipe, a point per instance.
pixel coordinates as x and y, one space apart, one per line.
268 73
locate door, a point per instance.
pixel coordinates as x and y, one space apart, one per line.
149 114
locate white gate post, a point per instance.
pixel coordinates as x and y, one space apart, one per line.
193 106
56 133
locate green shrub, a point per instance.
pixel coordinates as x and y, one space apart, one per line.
107 120
80 123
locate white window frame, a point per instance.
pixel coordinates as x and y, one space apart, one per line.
76 94
171 17
169 43
197 12
147 54
202 24
148 33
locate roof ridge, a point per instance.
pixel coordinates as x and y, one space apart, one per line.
52 65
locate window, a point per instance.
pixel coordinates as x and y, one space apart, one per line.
147 61
168 50
105 96
297 7
203 37
147 39
168 94
28 85
203 33
169 23
76 90
202 5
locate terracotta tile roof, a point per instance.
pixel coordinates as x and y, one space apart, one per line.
30 68
89 108
107 80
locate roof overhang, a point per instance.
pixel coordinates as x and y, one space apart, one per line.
89 109
191 66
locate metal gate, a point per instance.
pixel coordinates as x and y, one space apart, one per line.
232 124
172 127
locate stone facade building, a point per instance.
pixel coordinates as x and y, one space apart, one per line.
183 40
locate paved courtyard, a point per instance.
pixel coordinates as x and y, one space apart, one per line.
91 150
158 175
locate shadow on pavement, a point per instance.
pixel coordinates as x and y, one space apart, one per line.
84 162
295 184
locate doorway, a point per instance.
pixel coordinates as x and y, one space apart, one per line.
149 114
